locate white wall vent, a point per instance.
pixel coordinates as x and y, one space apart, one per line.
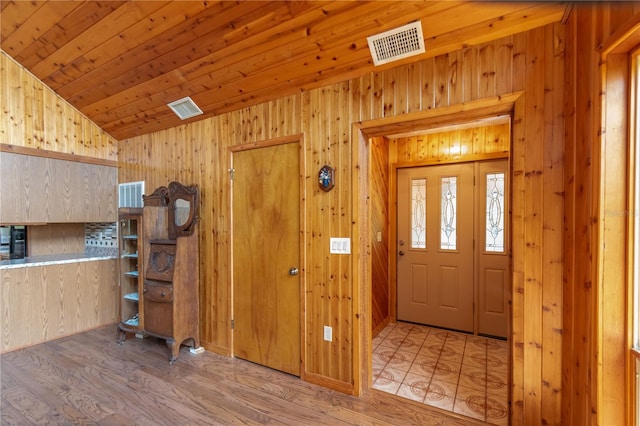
130 194
185 108
397 44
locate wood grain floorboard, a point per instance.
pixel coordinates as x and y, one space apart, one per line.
89 379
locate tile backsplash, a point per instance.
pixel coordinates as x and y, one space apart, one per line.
101 239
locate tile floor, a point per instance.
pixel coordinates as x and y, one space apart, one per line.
453 371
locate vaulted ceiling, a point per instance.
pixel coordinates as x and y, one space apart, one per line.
121 62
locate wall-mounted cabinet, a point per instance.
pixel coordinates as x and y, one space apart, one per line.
131 274
48 190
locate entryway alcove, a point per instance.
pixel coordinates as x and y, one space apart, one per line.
363 161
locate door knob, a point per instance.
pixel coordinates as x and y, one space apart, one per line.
293 271
401 253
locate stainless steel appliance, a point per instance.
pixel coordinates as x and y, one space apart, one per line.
5 239
13 242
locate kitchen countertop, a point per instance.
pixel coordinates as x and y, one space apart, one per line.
51 259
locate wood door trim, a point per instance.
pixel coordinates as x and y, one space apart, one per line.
466 159
513 104
442 116
268 142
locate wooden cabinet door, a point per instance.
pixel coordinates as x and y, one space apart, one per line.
38 189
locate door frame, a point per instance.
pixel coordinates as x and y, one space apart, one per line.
299 139
511 104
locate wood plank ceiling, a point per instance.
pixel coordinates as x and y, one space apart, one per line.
121 62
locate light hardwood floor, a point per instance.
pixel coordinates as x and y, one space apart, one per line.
89 379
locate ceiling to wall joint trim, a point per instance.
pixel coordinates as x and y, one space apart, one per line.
396 44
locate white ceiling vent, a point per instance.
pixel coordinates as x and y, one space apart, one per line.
397 44
185 108
130 194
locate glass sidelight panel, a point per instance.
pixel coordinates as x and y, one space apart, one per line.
494 223
418 213
448 213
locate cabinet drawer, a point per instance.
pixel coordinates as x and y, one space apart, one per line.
158 293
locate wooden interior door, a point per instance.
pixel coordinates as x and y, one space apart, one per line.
435 246
492 250
266 247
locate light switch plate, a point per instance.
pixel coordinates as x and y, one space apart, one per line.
340 246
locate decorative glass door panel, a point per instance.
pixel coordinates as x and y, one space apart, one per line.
418 213
448 212
494 213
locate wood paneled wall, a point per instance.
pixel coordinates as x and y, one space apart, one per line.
531 62
595 300
41 303
198 154
453 145
33 116
379 176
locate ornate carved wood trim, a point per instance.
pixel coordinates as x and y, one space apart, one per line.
159 197
183 206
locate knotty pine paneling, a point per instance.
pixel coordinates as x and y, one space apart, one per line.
41 303
329 282
454 145
379 177
197 153
33 116
594 299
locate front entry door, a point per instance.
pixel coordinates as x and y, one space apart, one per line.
435 246
266 253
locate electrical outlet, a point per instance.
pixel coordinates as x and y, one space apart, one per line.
328 333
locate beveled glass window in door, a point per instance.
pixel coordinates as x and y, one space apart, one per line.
418 213
494 224
448 213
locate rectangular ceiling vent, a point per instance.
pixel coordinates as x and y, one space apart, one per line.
185 108
397 44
